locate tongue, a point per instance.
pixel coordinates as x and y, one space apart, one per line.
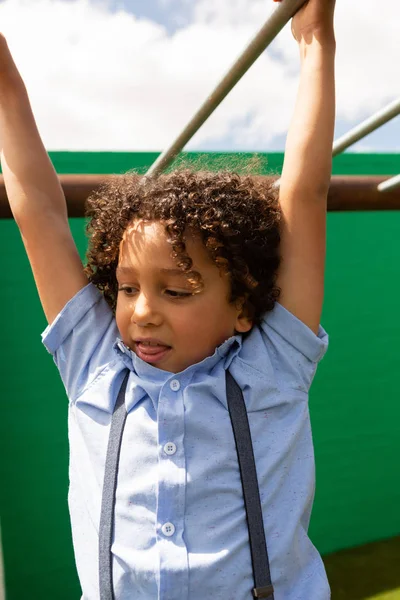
146 349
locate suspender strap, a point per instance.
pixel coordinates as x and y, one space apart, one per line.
108 498
259 556
241 430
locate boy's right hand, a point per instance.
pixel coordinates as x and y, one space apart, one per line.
35 194
7 64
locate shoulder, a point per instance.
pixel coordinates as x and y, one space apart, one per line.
88 304
283 350
284 329
81 339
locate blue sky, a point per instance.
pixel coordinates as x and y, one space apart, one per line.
173 14
128 74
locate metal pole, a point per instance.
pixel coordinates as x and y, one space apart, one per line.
281 15
345 193
389 184
363 129
366 127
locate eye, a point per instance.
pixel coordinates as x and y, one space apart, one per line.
175 294
127 289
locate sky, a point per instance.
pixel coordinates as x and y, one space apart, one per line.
127 75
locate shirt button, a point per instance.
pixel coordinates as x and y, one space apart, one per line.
168 529
174 385
170 448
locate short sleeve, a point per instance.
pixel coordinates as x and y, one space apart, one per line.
294 349
81 339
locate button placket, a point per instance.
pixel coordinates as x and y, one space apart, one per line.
171 487
170 447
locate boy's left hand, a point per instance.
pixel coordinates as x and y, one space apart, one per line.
307 165
315 18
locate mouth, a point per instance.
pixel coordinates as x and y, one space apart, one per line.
151 351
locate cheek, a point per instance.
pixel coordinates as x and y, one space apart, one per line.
210 321
122 316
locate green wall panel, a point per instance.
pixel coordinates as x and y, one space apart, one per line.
119 162
354 401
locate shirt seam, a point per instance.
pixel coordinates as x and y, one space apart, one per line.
107 367
60 320
263 377
315 342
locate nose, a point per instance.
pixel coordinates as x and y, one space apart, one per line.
145 311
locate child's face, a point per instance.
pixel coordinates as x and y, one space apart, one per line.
158 315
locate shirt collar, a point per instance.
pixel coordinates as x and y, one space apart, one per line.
148 379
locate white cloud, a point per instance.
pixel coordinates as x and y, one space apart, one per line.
112 81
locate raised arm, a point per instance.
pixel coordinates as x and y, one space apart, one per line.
307 165
35 195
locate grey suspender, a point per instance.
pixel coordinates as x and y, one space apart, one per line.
251 493
108 497
258 548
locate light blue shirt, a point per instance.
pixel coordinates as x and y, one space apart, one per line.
180 524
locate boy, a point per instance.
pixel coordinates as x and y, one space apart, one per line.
191 302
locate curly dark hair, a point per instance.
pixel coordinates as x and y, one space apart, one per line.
237 216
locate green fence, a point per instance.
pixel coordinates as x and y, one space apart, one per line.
355 405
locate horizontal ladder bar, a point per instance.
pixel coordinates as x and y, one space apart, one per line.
345 193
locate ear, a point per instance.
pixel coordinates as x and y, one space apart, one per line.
244 321
243 324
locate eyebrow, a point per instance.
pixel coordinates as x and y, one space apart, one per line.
173 271
129 270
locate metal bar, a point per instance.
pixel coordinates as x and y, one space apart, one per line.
345 193
76 189
386 114
281 15
366 127
361 194
389 184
